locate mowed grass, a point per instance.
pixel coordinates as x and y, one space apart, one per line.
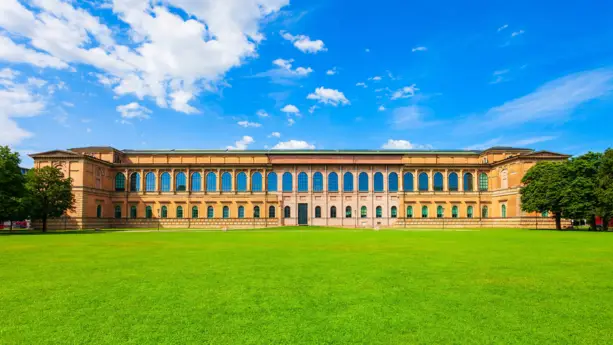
308 287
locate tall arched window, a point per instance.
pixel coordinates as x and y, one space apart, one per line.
453 182
407 182
287 182
117 211
468 182
379 212
439 212
181 182
409 211
165 182
210 212
332 182
318 182
483 183
256 182
348 212
195 212
196 184
179 212
303 182
287 212
423 181
503 211
454 212
484 213
133 211
135 182
272 182
241 182
148 212
333 212
99 211
378 182
469 212
424 211
226 212
164 212
363 212
120 182
271 212
226 182
394 212
438 181
256 212
241 212
317 212
211 182
392 182
348 182
504 179
363 182
150 182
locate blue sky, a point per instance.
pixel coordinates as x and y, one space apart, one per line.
256 74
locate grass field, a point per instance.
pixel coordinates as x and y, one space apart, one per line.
308 287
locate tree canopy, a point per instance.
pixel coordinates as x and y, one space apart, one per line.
11 185
49 194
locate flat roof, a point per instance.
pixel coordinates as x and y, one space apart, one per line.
300 152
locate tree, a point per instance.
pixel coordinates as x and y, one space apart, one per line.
604 189
48 194
543 189
11 185
580 184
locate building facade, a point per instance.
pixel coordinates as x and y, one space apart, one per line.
247 189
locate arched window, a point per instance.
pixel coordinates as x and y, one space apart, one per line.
287 182
303 182
483 183
196 184
211 182
287 212
378 182
504 179
348 182
545 214
348 212
226 182
195 212
409 211
423 182
256 212
454 212
271 212
241 212
439 212
394 212
179 212
453 182
407 182
148 212
180 184
164 212
120 182
469 212
135 182
438 181
363 212
332 182
424 211
99 211
318 182
484 212
241 182
468 182
256 182
165 183
317 212
133 212
272 182
210 212
379 212
117 211
363 182
392 182
503 211
333 212
226 212
150 182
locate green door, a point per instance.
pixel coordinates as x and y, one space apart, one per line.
303 213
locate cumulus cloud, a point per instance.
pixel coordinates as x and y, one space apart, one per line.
249 124
262 113
133 111
361 84
332 71
392 144
419 49
294 145
375 78
304 43
405 92
283 72
242 143
381 108
290 109
290 122
328 96
275 135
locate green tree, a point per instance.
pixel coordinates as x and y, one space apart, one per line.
48 194
11 185
580 183
604 190
543 189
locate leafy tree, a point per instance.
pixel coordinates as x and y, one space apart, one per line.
604 190
543 189
580 184
48 194
11 185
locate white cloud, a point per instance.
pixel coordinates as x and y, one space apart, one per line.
517 33
275 135
13 52
304 43
7 73
242 143
283 73
17 99
392 144
249 124
375 78
332 71
262 113
133 111
361 84
36 82
328 96
405 92
290 122
312 109
419 49
290 109
381 108
503 27
294 145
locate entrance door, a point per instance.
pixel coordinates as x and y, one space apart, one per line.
303 214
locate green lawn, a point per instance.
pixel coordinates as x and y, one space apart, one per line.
308 287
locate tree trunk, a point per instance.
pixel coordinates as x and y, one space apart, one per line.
45 223
605 223
593 222
558 220
11 228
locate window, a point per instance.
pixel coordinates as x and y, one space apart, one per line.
503 211
256 182
226 182
241 212
226 212
180 185
439 212
211 182
164 212
407 182
348 212
271 212
378 182
504 179
99 211
454 212
333 212
150 182
287 182
303 182
135 182
424 212
195 212
196 184
545 214
133 211
348 182
379 212
120 182
392 182
332 182
179 212
210 212
272 182
409 211
453 182
363 212
394 212
241 182
423 181
256 212
483 183
363 182
468 182
438 181
286 212
484 212
469 212
317 212
165 184
318 182
98 178
117 211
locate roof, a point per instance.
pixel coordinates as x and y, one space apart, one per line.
299 152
